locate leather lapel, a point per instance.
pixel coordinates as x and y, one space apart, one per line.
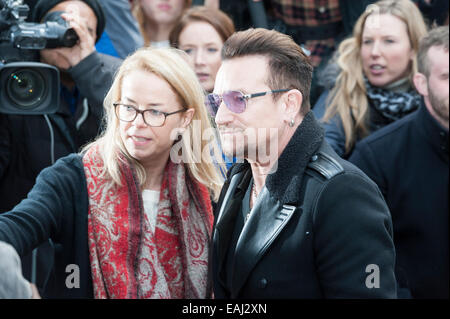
267 220
228 199
226 218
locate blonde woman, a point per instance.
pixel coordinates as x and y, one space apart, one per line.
129 214
156 18
375 66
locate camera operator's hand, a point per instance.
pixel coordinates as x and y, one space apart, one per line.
85 27
86 43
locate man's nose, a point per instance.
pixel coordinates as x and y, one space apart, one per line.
223 115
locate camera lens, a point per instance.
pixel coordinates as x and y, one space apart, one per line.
26 88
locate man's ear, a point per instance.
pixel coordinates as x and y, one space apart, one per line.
421 83
293 100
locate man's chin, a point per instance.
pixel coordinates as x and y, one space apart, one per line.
231 152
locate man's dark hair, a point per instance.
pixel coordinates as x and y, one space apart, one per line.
289 67
437 37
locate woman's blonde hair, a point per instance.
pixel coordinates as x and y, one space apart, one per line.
197 152
142 20
348 97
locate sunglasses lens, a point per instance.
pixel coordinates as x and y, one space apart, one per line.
212 103
235 101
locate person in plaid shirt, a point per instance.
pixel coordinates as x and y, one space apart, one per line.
290 14
317 26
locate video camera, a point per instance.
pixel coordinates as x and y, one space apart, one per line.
27 86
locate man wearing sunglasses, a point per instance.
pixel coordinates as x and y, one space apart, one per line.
293 220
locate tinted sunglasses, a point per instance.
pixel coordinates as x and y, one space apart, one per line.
235 101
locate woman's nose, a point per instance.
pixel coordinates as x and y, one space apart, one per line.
199 58
139 120
375 51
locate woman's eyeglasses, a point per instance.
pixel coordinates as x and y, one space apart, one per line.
235 101
128 113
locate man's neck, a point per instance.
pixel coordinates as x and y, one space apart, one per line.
268 165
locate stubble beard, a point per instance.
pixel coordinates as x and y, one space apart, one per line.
440 106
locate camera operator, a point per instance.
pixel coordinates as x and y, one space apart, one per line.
29 143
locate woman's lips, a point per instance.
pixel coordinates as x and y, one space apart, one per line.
202 76
377 69
140 140
164 6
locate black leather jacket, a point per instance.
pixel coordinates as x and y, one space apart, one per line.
320 228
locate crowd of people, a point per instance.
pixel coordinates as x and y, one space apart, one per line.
234 149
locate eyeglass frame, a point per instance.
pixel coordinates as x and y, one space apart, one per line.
250 96
166 114
246 97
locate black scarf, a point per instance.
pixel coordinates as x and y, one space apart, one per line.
392 105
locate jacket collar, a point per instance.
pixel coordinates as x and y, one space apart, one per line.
276 204
283 184
433 132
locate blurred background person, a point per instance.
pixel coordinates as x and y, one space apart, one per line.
409 161
372 83
318 26
200 33
156 19
244 13
434 11
121 36
124 209
30 143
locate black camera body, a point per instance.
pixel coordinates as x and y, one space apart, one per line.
27 86
15 33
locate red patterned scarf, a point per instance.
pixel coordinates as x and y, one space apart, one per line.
127 259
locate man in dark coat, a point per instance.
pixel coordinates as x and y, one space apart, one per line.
409 161
293 220
29 143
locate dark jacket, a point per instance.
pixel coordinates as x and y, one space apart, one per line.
434 12
25 140
317 227
334 130
25 144
56 208
409 161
